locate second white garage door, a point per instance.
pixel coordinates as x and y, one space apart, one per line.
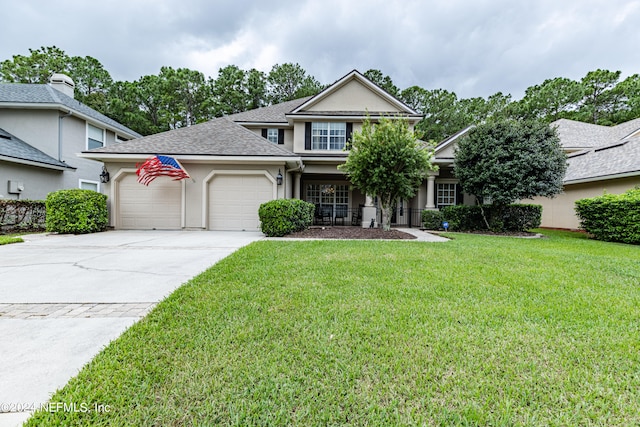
234 201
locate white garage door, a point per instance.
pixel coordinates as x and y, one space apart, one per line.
157 206
234 201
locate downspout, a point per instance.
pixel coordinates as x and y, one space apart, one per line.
60 134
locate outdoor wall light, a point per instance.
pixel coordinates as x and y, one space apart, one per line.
104 176
279 178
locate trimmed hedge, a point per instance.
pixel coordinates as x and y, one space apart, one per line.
284 216
515 217
432 220
76 211
22 215
612 217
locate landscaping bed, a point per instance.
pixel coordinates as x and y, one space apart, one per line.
340 232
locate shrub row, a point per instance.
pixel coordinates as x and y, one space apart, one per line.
284 216
76 211
22 215
469 218
612 217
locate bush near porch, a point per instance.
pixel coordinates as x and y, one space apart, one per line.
612 217
511 218
284 216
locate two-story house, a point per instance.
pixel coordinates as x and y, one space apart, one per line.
42 129
236 163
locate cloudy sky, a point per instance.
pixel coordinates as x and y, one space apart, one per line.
470 47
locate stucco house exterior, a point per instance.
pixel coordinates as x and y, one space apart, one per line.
237 162
42 129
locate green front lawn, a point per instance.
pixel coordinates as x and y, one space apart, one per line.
477 331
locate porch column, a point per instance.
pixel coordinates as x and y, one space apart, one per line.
431 193
368 200
297 191
369 212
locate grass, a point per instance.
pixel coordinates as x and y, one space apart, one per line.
477 331
6 239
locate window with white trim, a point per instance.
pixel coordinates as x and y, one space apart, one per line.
89 185
446 194
328 136
272 135
95 137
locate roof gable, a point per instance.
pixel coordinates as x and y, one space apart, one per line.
354 93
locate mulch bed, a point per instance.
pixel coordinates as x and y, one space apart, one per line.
349 233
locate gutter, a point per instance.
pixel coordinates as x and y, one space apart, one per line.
602 178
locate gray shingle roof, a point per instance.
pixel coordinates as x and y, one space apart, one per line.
575 134
20 93
271 114
15 148
616 158
218 137
607 151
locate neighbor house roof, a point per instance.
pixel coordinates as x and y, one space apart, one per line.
15 150
218 137
614 160
20 95
576 135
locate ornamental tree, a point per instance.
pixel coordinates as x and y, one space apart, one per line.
510 160
386 160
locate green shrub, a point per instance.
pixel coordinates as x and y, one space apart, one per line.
432 220
284 216
500 218
612 217
22 215
76 211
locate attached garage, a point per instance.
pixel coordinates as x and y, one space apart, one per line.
157 206
235 197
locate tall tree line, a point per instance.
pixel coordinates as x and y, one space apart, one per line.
182 97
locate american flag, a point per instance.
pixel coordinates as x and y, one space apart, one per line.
157 166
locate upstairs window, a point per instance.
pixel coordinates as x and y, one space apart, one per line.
95 137
328 136
274 135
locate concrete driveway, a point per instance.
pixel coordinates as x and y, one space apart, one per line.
64 297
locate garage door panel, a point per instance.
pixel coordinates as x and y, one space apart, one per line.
146 207
234 201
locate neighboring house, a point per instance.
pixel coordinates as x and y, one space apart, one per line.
42 129
236 163
601 160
